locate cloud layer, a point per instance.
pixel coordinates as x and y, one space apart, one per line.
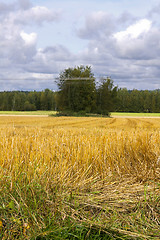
130 55
125 46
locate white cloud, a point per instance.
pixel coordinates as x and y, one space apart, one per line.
140 41
29 39
41 13
134 31
121 45
37 14
127 56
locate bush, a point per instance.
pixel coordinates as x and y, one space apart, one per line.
70 113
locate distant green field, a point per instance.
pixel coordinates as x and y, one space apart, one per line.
123 114
27 112
113 114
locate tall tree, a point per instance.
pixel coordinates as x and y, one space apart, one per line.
77 90
106 96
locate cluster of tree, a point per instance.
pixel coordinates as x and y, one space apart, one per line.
138 101
27 101
78 92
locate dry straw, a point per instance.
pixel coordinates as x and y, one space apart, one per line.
101 163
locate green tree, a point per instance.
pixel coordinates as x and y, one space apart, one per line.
47 101
77 90
18 101
123 100
157 96
29 106
147 101
136 101
106 96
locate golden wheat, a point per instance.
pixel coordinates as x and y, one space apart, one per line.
101 171
75 151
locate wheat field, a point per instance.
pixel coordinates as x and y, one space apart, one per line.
92 171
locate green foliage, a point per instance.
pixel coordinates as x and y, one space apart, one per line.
27 101
78 95
138 101
106 96
29 106
77 90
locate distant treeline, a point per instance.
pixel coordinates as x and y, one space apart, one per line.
27 101
138 101
126 101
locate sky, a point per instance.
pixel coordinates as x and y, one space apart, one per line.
117 38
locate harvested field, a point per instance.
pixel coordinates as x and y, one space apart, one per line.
100 174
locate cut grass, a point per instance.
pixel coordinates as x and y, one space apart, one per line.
34 213
79 178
